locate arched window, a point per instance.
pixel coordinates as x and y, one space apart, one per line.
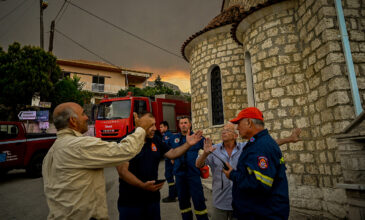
216 96
249 81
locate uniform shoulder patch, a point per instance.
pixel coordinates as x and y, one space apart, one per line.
262 162
166 137
153 147
177 140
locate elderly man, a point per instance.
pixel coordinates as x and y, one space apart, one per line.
73 173
260 186
228 151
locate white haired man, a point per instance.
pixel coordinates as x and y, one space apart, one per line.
73 169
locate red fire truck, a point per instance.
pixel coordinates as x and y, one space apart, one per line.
114 116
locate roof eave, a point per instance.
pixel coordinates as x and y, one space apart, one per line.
105 68
234 25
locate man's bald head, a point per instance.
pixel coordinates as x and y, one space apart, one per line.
62 114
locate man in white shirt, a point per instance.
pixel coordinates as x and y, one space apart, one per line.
73 169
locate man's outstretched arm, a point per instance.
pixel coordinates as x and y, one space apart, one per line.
293 138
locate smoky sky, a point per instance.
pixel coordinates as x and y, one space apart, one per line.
167 23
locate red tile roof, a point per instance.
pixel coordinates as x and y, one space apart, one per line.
232 15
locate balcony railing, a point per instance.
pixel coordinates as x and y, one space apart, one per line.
96 87
104 88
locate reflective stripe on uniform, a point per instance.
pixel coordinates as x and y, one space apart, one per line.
171 184
261 177
282 160
185 210
203 212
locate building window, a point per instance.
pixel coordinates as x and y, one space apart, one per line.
249 81
216 96
140 106
98 84
8 132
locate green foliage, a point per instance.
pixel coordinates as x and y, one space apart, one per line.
148 91
70 90
158 82
25 71
135 91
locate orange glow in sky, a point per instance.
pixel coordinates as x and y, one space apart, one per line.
178 77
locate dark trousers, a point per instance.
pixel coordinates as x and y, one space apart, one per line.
170 178
191 187
149 211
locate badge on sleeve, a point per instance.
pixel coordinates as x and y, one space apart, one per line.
177 140
262 162
153 147
166 137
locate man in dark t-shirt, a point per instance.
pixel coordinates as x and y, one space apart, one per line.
139 196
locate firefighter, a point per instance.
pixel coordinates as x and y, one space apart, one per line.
260 186
139 196
166 135
188 182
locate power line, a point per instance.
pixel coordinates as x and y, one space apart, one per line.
124 30
24 12
88 50
64 10
63 5
10 12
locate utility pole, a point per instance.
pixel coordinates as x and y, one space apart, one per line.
42 5
51 35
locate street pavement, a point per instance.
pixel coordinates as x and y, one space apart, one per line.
22 198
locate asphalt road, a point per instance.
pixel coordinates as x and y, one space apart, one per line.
22 198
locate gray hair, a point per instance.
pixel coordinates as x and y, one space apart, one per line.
235 127
61 120
257 122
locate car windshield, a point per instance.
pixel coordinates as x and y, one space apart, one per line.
114 110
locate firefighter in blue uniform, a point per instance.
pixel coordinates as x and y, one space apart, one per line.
260 186
188 182
139 196
166 135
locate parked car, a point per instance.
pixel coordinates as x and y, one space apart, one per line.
22 150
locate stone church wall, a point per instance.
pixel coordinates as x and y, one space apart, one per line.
300 80
219 50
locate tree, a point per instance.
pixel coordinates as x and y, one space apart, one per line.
158 82
148 91
25 71
70 90
135 91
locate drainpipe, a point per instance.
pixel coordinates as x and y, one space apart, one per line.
348 57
